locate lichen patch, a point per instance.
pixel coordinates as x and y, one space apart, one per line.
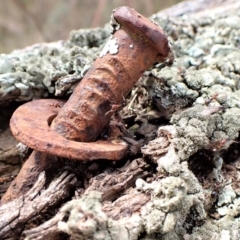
110 47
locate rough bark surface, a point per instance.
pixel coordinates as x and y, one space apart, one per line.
15 214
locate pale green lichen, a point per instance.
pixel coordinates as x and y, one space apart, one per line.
86 220
110 47
49 69
170 202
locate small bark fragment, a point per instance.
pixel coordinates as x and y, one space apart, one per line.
15 214
113 184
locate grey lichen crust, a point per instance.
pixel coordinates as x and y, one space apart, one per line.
50 68
86 220
172 198
199 94
110 47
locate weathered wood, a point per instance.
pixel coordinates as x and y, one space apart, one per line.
16 213
48 230
111 186
10 158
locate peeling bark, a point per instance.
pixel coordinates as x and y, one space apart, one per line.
16 213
